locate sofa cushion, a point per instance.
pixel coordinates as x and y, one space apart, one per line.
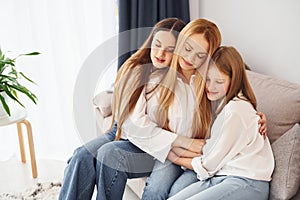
286 177
103 101
279 100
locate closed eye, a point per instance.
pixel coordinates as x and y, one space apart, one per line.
188 49
171 49
157 45
201 55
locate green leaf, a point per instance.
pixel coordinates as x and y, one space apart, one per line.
15 93
5 78
25 91
14 72
7 62
7 91
9 78
4 104
28 79
31 54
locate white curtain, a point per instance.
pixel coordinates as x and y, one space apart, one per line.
65 32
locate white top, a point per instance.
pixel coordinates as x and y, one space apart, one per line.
235 146
141 128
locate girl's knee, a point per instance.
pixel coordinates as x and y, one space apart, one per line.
111 156
106 151
155 192
81 153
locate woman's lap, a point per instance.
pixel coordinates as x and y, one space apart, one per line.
161 179
226 188
187 178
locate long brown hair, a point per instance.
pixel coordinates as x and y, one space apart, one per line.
135 72
201 119
229 61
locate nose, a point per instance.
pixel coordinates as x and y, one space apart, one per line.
209 85
191 58
161 52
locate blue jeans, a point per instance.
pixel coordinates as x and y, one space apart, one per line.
80 174
225 188
105 163
187 178
118 161
159 183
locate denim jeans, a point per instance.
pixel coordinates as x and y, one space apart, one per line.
187 178
161 179
80 174
118 161
107 164
225 188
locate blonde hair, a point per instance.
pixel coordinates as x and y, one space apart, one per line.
202 112
134 74
229 61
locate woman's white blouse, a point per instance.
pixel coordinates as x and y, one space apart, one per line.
141 127
235 146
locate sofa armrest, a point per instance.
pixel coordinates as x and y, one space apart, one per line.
102 103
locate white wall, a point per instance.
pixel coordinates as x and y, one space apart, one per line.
266 32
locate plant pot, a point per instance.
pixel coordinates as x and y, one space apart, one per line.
3 113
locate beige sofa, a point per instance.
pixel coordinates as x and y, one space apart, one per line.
280 101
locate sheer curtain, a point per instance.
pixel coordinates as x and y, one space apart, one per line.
65 33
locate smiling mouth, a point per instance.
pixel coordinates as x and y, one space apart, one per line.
160 60
187 63
212 93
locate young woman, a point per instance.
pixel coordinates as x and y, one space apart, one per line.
81 175
236 161
196 43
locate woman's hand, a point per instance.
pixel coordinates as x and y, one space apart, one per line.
194 145
185 153
184 162
263 124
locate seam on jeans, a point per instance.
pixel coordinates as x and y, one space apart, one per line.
122 158
107 192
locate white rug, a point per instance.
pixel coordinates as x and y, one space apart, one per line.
48 191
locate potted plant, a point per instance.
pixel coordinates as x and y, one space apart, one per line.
10 84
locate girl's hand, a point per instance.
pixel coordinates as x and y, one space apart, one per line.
263 124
